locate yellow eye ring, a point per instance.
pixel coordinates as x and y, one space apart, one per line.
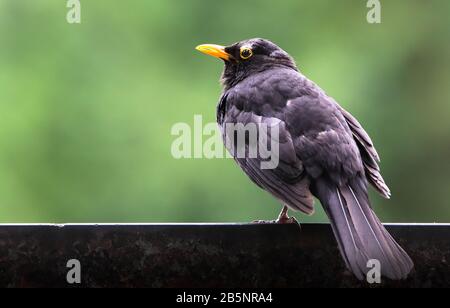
246 53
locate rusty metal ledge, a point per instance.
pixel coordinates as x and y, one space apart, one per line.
204 255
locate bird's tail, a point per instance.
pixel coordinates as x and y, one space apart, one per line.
359 232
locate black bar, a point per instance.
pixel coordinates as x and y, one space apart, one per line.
206 256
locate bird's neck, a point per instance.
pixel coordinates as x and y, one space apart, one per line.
234 74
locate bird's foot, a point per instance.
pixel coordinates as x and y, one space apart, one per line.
282 219
264 222
287 220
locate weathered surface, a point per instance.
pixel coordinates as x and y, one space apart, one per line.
204 256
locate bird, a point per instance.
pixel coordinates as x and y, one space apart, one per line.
324 152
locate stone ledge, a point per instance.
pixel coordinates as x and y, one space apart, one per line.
204 255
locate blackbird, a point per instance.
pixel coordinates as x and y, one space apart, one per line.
323 151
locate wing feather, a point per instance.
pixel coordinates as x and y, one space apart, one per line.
369 155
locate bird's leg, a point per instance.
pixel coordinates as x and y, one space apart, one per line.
283 218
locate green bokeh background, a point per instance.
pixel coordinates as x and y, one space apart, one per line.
86 110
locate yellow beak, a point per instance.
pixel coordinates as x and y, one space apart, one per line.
216 51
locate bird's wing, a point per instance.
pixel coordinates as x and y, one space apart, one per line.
368 153
287 182
322 138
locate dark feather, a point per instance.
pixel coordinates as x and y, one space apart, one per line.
359 232
369 155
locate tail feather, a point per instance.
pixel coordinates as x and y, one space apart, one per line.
359 232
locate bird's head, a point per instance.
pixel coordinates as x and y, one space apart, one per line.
248 57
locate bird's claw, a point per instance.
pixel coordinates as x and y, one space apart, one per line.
282 219
279 221
264 222
287 220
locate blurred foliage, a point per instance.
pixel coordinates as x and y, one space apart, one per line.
86 110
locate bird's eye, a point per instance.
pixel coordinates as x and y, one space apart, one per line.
246 53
